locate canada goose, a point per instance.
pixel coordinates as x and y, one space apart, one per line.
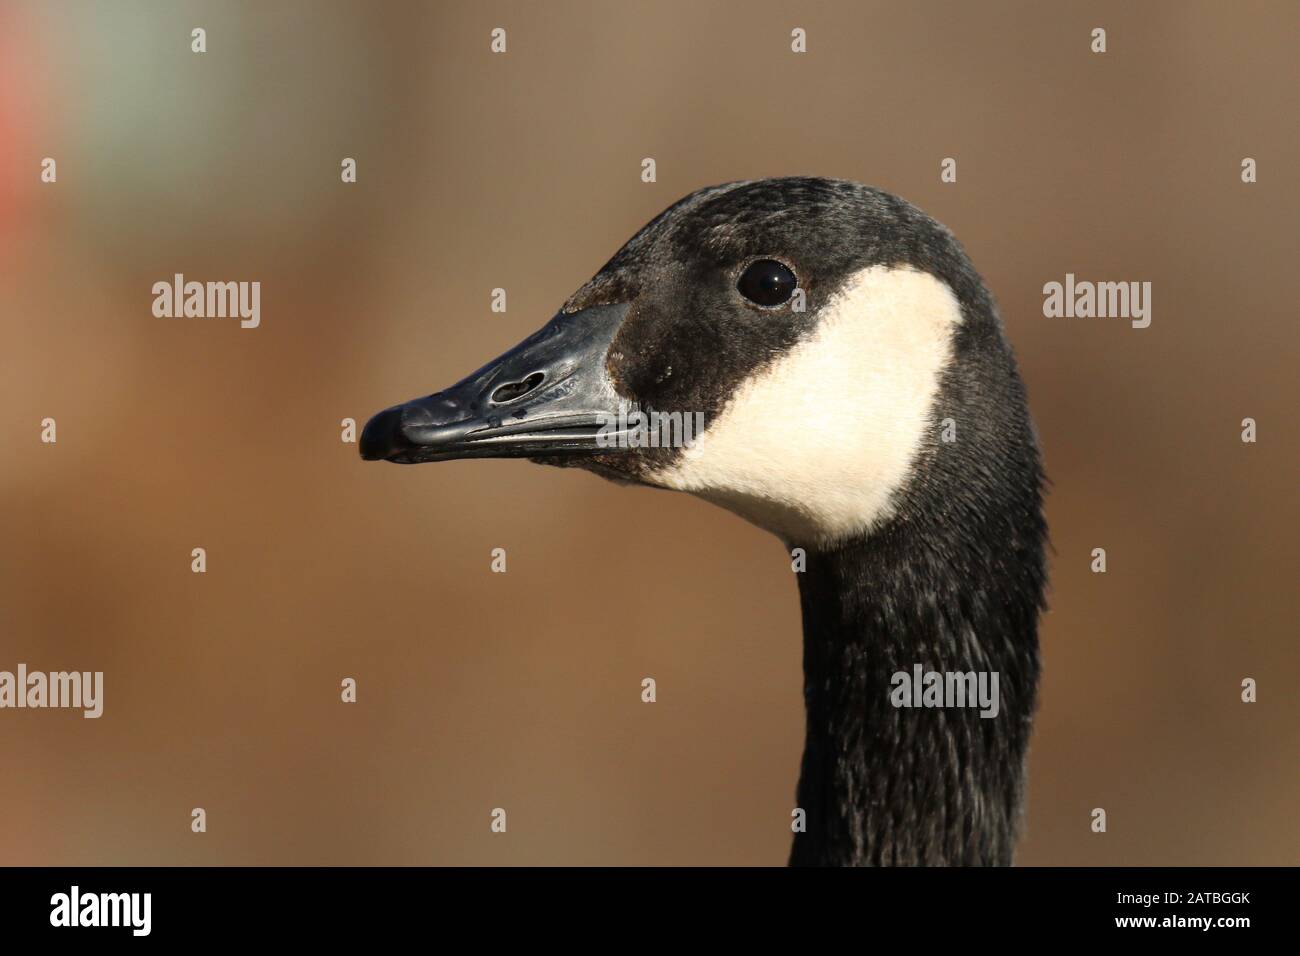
861 402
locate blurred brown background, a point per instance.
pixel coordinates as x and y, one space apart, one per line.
479 690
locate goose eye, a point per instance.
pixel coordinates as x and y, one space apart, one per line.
767 282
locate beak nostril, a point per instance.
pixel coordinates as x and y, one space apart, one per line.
513 390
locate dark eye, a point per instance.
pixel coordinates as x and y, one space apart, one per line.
767 282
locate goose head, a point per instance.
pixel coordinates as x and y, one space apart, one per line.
837 374
801 343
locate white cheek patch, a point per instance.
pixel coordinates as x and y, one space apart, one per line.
814 447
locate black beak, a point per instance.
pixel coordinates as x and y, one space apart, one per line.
549 395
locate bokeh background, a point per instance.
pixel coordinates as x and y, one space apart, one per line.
481 690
